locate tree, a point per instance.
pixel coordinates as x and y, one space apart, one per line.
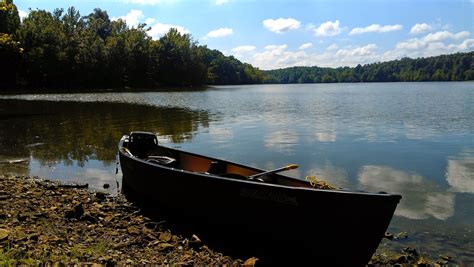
9 18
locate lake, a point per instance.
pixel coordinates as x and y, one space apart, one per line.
415 139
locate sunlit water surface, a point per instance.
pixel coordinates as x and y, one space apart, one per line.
415 139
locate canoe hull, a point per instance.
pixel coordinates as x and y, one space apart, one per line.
275 223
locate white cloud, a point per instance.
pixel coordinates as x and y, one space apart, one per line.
376 28
420 28
22 14
143 2
281 25
276 47
430 45
132 18
305 46
221 2
276 56
221 32
243 49
160 29
442 35
358 51
328 28
332 47
335 55
149 21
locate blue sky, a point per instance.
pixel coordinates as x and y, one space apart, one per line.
283 33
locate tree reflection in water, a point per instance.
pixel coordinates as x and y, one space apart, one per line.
70 132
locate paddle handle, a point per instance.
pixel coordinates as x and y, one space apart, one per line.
286 168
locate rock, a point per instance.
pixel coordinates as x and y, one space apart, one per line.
165 236
250 262
195 241
442 262
446 257
133 230
399 259
4 234
165 246
106 186
100 195
388 236
401 235
409 251
88 217
75 213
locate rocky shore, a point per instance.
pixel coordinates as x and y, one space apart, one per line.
45 222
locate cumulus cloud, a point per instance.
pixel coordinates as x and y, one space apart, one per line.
305 46
280 56
420 28
221 2
276 56
132 18
358 51
276 47
432 44
149 21
221 32
328 28
376 28
443 35
160 29
281 25
332 47
243 49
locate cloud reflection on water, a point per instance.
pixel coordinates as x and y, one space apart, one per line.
460 172
420 198
282 141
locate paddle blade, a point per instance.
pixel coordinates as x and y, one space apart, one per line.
292 166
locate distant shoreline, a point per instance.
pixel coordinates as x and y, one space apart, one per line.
80 90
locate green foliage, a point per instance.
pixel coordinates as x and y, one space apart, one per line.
455 67
10 55
9 18
65 49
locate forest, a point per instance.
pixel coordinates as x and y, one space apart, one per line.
63 49
454 67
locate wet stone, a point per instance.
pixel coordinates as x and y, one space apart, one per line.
4 234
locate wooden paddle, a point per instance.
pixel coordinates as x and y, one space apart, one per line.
286 168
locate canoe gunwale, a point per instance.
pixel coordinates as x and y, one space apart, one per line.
269 185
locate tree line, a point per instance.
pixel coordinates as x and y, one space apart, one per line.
62 49
454 67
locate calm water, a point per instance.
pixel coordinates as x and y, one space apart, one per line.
416 139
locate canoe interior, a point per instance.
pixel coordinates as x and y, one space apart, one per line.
148 148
